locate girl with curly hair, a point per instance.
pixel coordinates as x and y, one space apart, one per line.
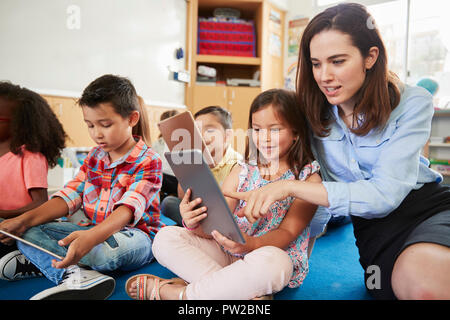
31 139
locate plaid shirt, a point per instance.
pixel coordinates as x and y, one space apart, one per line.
101 186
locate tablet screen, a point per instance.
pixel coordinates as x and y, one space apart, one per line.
192 172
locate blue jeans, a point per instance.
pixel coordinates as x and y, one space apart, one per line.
319 221
127 249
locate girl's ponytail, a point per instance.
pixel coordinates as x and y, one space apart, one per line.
142 128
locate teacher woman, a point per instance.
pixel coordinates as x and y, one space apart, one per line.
367 132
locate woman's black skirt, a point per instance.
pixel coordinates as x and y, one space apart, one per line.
423 216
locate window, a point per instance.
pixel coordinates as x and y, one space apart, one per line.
429 43
417 43
391 18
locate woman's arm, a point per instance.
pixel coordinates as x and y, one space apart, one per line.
394 170
296 220
394 160
260 200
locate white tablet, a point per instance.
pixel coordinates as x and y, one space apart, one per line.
193 172
31 244
35 246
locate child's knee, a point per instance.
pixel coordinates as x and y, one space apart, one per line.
35 234
275 262
164 238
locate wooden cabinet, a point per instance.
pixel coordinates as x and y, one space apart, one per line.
237 100
71 117
203 96
268 62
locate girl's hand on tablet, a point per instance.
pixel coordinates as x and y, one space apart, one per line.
191 217
234 247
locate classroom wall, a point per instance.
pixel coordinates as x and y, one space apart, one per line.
58 46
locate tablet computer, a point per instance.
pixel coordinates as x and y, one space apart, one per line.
180 132
31 244
193 172
17 238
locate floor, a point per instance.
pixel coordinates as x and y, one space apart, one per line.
335 274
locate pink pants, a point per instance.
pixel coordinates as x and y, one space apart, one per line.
215 274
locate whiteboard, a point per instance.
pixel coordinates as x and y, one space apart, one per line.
61 45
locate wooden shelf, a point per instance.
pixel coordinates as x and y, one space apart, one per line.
442 112
251 61
440 144
243 5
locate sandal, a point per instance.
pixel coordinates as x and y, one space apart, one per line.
141 282
265 297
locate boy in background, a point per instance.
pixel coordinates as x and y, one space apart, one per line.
216 126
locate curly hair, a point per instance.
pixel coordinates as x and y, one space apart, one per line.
33 123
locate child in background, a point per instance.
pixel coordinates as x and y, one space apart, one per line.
170 182
118 186
216 125
31 138
275 252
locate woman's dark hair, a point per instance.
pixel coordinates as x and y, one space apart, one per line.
378 95
222 115
286 107
33 123
120 92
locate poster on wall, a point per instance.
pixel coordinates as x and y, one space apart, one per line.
295 31
275 45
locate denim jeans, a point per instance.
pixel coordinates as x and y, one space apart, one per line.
319 221
127 249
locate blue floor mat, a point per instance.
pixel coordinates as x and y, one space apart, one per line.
335 274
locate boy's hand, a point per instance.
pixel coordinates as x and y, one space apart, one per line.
190 216
80 243
234 247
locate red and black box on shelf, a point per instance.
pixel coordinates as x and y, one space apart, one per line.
233 37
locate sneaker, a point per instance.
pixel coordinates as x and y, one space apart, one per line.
80 284
15 266
5 249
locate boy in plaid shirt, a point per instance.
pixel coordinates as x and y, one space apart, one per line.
118 189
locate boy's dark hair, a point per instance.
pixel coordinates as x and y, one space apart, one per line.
285 105
224 116
33 123
120 92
